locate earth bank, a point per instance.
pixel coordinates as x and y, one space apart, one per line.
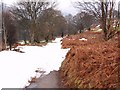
92 63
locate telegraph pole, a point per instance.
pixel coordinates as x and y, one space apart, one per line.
3 29
0 25
119 10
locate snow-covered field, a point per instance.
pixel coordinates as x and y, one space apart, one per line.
17 68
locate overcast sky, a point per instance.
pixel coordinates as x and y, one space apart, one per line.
66 6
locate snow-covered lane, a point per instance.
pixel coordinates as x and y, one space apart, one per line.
17 68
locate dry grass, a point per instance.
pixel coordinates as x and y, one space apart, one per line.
92 63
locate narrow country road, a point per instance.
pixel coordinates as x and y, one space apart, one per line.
52 80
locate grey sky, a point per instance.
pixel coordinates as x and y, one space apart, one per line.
66 6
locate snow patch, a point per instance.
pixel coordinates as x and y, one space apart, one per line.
83 39
17 68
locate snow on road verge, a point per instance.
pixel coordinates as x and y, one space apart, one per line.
17 68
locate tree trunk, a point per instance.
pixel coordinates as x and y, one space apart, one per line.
106 19
32 32
32 38
103 20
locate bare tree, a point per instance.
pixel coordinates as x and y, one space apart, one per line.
53 23
30 10
83 20
93 8
71 24
103 10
